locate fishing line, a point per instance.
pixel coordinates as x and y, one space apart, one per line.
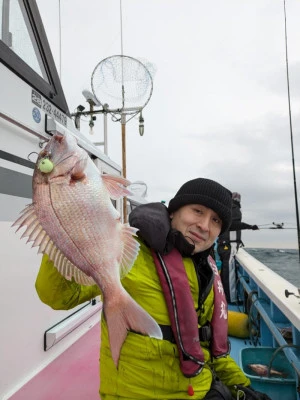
121 24
291 130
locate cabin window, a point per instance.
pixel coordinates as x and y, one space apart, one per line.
17 34
25 50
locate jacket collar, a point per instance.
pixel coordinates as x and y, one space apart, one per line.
154 225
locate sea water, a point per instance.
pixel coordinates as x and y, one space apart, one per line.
285 262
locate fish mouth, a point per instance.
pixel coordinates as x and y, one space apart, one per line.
64 159
48 154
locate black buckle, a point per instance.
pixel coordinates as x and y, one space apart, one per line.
167 333
205 333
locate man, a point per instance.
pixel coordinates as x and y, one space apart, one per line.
176 281
227 246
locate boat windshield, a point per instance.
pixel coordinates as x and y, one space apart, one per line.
17 34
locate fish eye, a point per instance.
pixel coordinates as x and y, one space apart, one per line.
45 154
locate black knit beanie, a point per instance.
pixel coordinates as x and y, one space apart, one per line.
207 193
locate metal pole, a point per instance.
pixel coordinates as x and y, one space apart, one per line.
105 133
123 123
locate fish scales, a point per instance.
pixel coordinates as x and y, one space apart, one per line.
72 219
83 226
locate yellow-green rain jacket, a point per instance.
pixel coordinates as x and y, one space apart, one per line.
148 368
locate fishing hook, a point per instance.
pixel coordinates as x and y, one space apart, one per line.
41 143
33 152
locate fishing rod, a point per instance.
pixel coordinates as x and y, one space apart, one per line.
274 225
291 130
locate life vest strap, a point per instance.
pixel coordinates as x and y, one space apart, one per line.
183 316
204 333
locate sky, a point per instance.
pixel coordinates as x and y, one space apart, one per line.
219 106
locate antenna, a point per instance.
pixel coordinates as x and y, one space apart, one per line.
59 21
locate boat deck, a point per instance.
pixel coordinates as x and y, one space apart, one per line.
73 375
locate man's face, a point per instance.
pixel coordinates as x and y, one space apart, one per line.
198 224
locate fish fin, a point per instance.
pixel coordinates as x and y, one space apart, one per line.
27 216
68 269
29 220
116 186
36 234
130 249
127 315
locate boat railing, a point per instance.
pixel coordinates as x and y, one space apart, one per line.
261 292
287 348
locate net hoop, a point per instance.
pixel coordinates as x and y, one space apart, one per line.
123 83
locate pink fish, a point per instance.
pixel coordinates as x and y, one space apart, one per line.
262 370
72 219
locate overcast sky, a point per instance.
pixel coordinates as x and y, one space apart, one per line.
219 107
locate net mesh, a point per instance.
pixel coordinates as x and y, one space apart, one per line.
122 82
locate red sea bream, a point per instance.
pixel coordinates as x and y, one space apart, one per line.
72 219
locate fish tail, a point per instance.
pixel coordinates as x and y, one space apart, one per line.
124 316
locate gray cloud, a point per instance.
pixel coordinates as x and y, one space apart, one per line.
219 107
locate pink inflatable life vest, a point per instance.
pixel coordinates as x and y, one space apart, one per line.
183 316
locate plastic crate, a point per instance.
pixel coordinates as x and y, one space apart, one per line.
277 388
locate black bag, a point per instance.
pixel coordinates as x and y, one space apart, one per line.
251 394
218 391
